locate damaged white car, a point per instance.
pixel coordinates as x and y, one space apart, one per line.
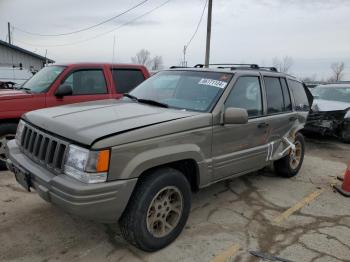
330 114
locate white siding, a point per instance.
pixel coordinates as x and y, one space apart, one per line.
9 57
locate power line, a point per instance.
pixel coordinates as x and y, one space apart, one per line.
85 28
104 33
184 63
199 23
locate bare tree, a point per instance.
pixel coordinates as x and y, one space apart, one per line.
338 71
283 65
142 57
157 63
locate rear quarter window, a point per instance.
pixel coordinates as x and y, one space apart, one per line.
300 98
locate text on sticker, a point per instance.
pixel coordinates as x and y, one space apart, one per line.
212 82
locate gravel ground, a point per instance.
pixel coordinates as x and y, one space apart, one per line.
238 214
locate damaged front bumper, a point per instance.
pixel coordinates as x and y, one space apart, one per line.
327 123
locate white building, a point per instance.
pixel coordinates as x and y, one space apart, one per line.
17 57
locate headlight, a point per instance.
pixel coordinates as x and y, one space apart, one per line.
19 132
87 166
347 115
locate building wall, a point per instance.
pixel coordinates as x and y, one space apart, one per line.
9 57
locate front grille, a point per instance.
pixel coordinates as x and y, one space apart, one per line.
43 148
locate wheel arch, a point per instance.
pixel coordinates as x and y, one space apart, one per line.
185 158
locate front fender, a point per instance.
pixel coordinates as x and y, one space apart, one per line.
157 157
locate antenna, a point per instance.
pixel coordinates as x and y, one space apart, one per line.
113 49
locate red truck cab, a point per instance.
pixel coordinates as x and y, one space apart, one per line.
61 84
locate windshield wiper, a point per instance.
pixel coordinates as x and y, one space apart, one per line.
152 102
26 89
130 96
146 101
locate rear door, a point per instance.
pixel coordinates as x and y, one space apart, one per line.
281 116
88 84
242 148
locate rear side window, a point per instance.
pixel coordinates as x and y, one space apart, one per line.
127 79
274 95
300 97
286 96
246 94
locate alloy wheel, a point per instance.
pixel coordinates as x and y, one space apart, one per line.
295 155
164 212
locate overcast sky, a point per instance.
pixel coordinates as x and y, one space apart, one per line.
315 33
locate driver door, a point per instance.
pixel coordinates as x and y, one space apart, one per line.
241 148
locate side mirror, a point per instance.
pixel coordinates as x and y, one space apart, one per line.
235 116
64 90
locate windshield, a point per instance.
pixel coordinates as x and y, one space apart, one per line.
340 94
188 90
42 80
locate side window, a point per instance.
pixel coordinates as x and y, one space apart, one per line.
246 94
87 82
300 97
286 96
127 79
274 95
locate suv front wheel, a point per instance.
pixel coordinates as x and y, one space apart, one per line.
290 165
158 209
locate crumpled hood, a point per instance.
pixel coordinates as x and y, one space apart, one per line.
13 94
320 105
87 122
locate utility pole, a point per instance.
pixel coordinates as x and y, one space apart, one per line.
207 50
9 31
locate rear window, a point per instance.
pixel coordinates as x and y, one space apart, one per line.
300 97
126 79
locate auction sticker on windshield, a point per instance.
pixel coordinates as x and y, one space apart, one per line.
212 82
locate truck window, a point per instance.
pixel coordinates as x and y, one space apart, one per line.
126 79
274 95
246 94
87 82
300 97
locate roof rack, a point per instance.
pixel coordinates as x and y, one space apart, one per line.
238 66
174 67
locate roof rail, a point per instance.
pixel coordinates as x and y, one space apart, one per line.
233 66
173 67
273 69
253 66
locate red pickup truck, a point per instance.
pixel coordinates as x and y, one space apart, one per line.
65 84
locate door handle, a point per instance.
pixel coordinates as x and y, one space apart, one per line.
263 125
292 118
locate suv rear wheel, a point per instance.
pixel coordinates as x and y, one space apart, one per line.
7 132
290 165
158 209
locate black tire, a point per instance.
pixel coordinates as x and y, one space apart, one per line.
283 167
8 130
133 223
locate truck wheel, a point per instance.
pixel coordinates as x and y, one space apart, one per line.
290 165
7 132
157 210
